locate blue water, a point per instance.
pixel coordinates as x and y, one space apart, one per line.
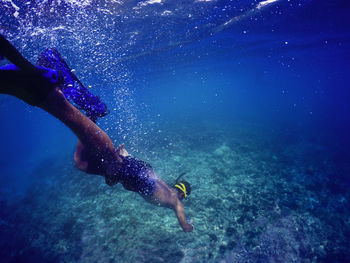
251 99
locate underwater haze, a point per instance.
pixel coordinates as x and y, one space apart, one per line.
251 99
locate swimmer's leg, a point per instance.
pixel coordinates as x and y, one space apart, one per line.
11 53
28 85
97 142
91 136
31 87
11 81
22 80
81 160
85 161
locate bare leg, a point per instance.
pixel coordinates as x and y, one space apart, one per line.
12 79
37 87
30 86
14 56
81 160
85 160
96 140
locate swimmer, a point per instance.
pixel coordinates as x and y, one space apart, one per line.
50 89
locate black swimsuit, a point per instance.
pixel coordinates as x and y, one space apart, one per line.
138 176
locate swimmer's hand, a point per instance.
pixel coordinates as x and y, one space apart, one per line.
189 227
121 150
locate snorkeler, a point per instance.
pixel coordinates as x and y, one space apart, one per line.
49 88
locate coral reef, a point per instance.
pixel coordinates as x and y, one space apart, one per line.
254 199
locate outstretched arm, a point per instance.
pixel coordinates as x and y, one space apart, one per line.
180 214
168 197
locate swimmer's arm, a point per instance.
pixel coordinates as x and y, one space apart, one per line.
180 214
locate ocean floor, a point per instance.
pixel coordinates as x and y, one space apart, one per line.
256 196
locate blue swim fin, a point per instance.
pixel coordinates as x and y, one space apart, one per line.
72 88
